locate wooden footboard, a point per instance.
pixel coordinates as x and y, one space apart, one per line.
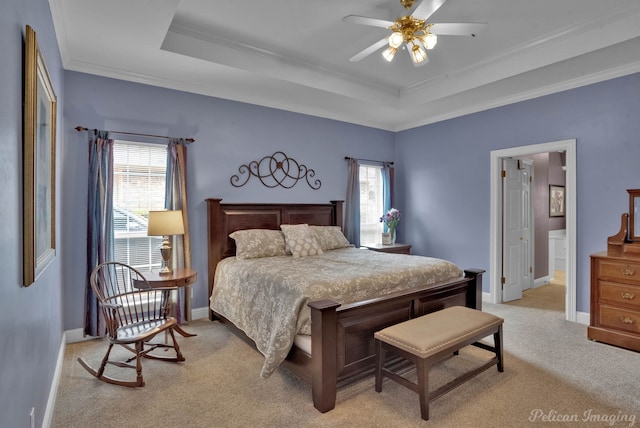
342 336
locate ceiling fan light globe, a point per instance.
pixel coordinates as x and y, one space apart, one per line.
389 53
429 40
418 54
395 39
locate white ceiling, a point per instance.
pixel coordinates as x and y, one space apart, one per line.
294 54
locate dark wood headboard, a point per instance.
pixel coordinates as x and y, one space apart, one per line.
224 219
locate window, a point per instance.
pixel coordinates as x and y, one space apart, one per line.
139 175
371 204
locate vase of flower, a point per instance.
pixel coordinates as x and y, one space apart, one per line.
390 220
392 232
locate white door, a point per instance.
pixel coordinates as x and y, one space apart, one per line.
526 170
517 258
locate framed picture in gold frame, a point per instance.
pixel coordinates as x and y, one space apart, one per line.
39 135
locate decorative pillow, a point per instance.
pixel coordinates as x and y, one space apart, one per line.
256 243
299 240
329 237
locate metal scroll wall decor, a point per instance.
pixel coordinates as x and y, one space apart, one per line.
276 170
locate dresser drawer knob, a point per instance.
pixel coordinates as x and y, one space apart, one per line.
627 320
628 272
628 296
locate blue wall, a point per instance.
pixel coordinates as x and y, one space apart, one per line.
444 170
228 134
447 162
30 318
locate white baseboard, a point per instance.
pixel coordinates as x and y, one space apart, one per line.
198 313
55 382
583 318
77 335
542 281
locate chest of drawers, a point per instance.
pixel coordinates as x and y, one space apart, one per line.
615 300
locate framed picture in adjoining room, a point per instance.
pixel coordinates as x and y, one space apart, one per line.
556 201
39 151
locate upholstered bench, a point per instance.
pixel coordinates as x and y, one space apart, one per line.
431 338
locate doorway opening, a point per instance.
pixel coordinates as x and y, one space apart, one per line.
496 242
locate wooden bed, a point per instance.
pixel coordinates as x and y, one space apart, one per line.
341 335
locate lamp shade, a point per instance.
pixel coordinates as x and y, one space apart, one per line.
389 53
417 53
395 39
165 223
429 40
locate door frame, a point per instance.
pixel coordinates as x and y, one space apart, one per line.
568 146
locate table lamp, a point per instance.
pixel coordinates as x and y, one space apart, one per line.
165 223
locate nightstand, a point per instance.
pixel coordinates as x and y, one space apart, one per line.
396 248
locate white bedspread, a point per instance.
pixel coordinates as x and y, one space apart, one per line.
267 297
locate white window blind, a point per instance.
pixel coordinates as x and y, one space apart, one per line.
139 175
371 204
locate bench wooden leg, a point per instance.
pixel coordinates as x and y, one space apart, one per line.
380 356
497 341
422 371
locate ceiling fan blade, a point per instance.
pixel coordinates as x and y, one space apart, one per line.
458 29
363 20
368 51
427 8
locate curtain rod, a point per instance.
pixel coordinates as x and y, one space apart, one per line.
368 160
81 128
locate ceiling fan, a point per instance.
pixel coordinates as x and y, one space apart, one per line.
414 31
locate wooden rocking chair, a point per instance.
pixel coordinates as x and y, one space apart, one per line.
134 313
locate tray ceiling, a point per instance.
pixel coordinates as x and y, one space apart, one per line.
294 54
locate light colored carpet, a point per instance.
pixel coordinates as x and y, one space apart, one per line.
552 372
549 296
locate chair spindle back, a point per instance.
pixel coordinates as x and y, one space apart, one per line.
125 296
